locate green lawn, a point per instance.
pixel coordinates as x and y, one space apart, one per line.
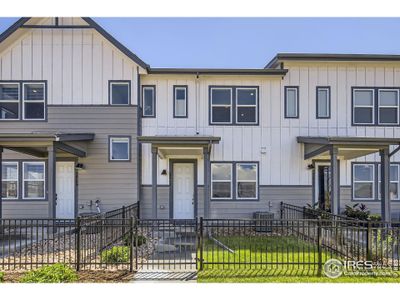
295 253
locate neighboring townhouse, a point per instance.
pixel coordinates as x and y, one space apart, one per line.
221 143
68 119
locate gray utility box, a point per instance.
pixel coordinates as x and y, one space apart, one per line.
263 221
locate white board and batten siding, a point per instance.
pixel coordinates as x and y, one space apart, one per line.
282 163
77 63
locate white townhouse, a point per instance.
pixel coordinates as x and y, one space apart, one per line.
83 120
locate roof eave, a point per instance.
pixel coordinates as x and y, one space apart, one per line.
183 71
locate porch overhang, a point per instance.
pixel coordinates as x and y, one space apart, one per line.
36 144
347 147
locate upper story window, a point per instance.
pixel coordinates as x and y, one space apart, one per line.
120 92
9 180
149 101
34 98
180 101
119 148
241 111
323 102
9 101
291 102
375 106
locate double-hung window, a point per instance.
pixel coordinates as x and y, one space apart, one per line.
233 105
33 178
149 101
234 181
119 92
119 149
291 102
221 181
388 107
363 181
323 102
9 101
180 101
9 180
33 98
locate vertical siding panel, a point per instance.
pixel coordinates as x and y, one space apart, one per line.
27 60
97 71
57 67
47 63
16 60
107 71
67 66
77 62
6 73
88 72
37 50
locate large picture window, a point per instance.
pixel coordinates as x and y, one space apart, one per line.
33 180
9 101
34 101
9 180
234 181
234 105
376 106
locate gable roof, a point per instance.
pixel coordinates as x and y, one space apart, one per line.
330 57
92 24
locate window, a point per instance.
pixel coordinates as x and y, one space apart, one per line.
221 181
33 180
149 101
119 149
221 105
9 180
119 92
9 101
388 107
291 102
246 105
33 101
241 111
363 181
323 103
246 183
394 181
234 181
180 102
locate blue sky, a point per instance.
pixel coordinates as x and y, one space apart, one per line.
245 42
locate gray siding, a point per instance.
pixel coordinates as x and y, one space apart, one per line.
114 183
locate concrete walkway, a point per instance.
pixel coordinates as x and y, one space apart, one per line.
167 276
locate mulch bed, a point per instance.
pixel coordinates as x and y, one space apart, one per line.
99 276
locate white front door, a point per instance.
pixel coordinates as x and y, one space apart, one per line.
65 189
183 190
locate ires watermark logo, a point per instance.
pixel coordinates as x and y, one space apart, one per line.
334 268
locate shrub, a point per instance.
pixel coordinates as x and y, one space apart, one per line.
1 277
375 218
57 273
357 211
117 254
139 240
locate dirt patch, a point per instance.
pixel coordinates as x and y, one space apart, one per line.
99 276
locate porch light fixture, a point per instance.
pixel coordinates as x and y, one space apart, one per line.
80 166
311 167
164 172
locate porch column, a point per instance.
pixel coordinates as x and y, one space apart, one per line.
335 184
207 175
154 151
385 183
1 184
51 181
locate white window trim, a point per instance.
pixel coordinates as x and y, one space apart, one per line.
363 181
11 180
391 181
111 92
33 101
230 181
221 105
296 90
39 180
237 181
13 101
368 106
396 106
328 96
176 88
151 88
247 105
122 140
